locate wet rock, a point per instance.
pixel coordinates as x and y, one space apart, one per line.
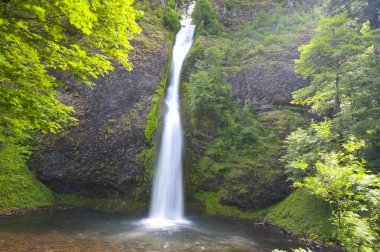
269 79
97 158
265 84
235 15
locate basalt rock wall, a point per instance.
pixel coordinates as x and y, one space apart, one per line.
268 80
98 157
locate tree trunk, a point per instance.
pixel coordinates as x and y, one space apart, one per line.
337 95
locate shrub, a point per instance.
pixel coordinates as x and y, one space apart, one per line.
259 49
204 16
171 19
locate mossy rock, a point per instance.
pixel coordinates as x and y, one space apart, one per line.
18 186
103 204
303 213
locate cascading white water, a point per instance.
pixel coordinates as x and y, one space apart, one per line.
167 205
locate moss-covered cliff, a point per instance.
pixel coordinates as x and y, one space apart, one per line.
236 105
18 186
107 157
235 117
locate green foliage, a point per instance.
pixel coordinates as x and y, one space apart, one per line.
77 36
267 34
39 40
325 58
294 250
18 186
230 3
171 19
232 150
341 180
326 158
358 9
204 16
301 212
153 117
235 146
259 49
209 97
342 63
356 234
344 68
304 147
327 165
146 159
283 121
360 114
213 206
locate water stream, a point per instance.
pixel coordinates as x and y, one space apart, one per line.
167 205
87 230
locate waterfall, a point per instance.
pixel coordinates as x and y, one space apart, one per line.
167 204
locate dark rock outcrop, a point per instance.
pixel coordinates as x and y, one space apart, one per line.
268 80
261 77
97 158
233 15
265 84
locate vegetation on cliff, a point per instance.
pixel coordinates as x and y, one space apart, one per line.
232 151
81 40
205 18
36 37
18 186
334 160
231 148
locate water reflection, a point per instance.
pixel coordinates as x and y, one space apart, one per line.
84 230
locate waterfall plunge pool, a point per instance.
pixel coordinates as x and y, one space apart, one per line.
89 230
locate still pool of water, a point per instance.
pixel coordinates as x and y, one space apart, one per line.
86 230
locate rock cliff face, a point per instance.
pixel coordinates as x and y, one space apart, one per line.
233 14
97 158
265 80
258 46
